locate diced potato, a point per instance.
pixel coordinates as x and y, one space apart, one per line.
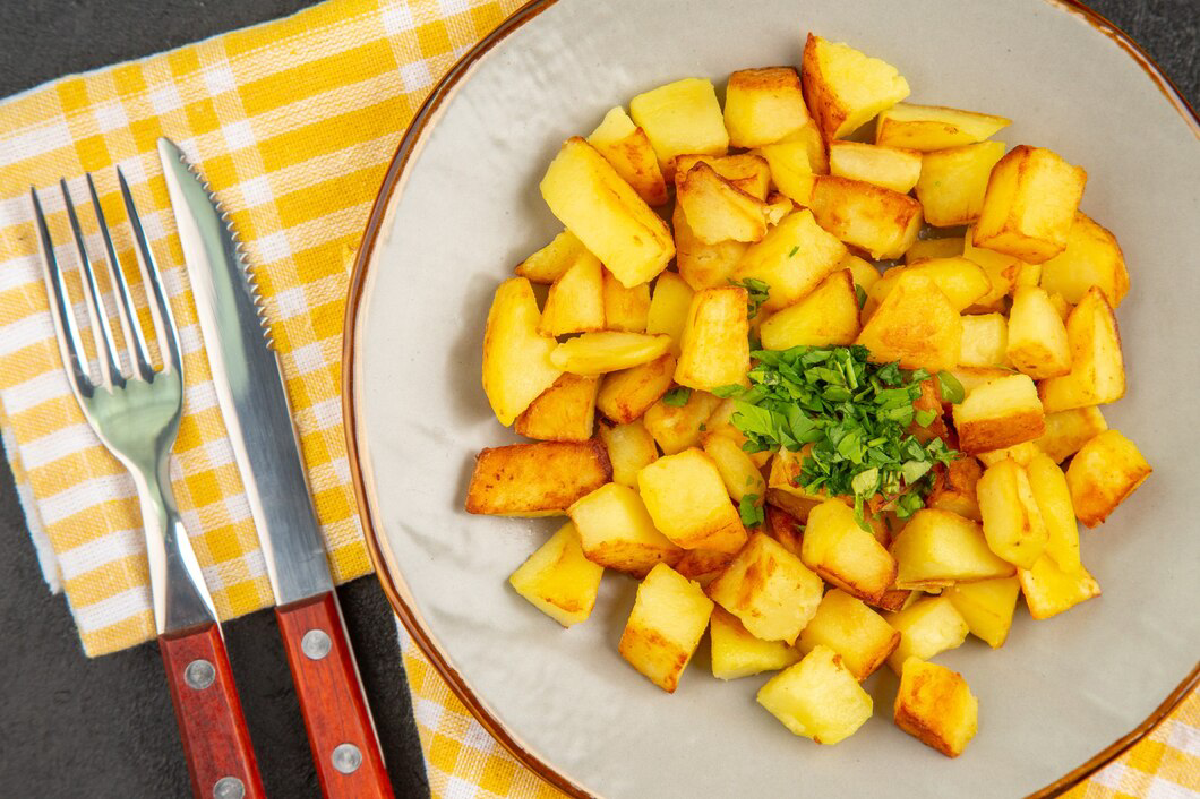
1067 431
942 547
778 206
984 341
702 565
960 279
1103 473
954 488
1049 590
953 182
890 167
720 421
536 480
1097 366
1037 337
1053 497
736 653
916 325
785 528
1001 413
846 625
829 315
739 473
897 599
1027 275
689 503
880 221
987 606
676 428
935 705
783 489
864 272
630 447
763 106
1092 257
1031 200
716 210
669 617
927 627
923 249
745 171
845 88
703 266
934 127
625 309
517 365
1061 306
616 531
681 118
669 304
810 136
819 698
1021 453
613 222
793 258
547 264
558 579
841 552
972 378
563 413
628 149
1012 521
930 399
769 590
576 300
716 348
608 351
1001 271
626 394
792 170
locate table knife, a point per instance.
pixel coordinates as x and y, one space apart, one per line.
253 402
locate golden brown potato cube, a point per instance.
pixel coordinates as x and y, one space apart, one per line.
812 139
845 88
630 447
896 599
681 118
558 579
703 565
925 249
972 378
890 167
669 304
792 170
783 488
1049 590
563 413
716 210
819 698
829 315
916 325
575 303
880 221
846 625
1001 413
669 617
984 341
953 182
739 473
960 279
987 606
676 428
736 653
688 502
1053 497
1103 473
927 627
628 149
616 531
778 207
763 106
930 399
941 547
864 272
1067 431
608 351
1092 257
954 488
935 705
536 480
626 394
1021 453
1012 521
613 222
1061 306
547 264
745 171
1028 275
703 266
1001 272
1030 202
928 128
841 552
769 590
625 309
793 258
1097 366
517 366
1037 337
785 528
716 348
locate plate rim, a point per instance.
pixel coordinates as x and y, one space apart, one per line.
395 588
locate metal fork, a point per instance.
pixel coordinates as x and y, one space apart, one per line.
136 414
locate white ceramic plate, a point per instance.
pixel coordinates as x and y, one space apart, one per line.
460 207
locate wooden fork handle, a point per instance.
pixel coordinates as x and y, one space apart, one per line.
220 758
340 731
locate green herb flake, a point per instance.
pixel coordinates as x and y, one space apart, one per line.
861 294
750 511
793 251
952 390
757 293
677 397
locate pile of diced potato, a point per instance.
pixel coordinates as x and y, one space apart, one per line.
991 273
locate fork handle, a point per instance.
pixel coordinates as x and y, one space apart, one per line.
216 741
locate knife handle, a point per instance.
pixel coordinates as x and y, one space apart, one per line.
216 741
340 731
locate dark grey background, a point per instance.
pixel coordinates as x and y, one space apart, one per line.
73 727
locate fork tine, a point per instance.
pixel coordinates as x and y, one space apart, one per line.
106 348
126 313
160 308
65 330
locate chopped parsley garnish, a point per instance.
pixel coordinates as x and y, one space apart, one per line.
793 251
750 510
952 390
677 397
758 292
861 294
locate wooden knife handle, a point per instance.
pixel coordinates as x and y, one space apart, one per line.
216 742
340 732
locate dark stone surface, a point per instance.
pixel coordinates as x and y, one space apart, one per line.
104 728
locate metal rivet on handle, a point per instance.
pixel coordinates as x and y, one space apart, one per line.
316 644
200 674
229 787
346 758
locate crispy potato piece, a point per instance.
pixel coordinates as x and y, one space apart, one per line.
681 118
716 348
719 421
669 617
1001 413
547 264
688 502
930 399
793 258
819 698
841 552
1037 337
676 428
736 653
896 599
608 351
810 136
1021 453
769 590
517 365
953 182
934 127
864 272
1097 366
763 106
954 488
1103 473
613 222
703 565
669 304
792 170
785 528
1012 521
960 279
558 579
1049 590
1001 271
747 172
616 531
625 309
927 627
845 624
783 489
1053 497
1031 200
880 221
890 167
575 303
984 341
829 315
703 266
630 447
628 149
778 206
935 705
716 210
845 88
942 547
739 473
987 606
924 249
626 394
972 378
536 480
916 325
1067 431
563 413
1092 257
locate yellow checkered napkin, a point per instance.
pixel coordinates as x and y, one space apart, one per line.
293 123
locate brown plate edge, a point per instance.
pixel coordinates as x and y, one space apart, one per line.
358 281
